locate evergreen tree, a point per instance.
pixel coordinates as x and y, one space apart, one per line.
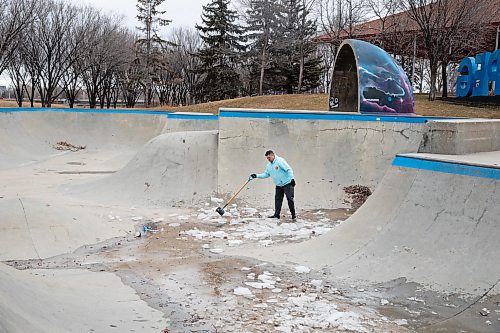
297 61
219 57
263 19
150 45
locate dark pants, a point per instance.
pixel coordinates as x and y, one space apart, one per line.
278 199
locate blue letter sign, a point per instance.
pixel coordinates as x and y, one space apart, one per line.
476 74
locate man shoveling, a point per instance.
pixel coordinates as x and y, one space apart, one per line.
282 175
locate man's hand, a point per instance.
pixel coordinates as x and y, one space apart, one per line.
293 182
252 176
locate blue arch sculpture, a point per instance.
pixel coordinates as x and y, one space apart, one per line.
366 79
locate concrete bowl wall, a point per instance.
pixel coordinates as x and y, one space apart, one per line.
327 151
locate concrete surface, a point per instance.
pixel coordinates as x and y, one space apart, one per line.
71 301
326 154
439 229
433 228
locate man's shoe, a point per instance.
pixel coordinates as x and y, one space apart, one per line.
294 217
274 217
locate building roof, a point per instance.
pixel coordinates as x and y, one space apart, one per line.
396 32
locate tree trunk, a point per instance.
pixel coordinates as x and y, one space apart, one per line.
262 71
422 74
261 79
92 100
444 76
301 74
432 92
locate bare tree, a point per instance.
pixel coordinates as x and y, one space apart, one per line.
338 19
15 16
18 77
176 81
327 55
444 24
383 10
53 47
103 55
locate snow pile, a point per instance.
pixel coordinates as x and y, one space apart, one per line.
307 313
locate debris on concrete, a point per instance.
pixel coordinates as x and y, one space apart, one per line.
63 145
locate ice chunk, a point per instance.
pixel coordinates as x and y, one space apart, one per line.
216 200
302 269
317 283
242 291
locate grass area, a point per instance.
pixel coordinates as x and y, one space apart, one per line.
286 102
4 103
319 102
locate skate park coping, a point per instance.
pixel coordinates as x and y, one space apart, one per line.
442 165
68 110
192 116
323 115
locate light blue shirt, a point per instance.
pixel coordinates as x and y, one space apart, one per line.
279 171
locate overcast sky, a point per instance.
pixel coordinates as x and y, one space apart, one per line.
181 12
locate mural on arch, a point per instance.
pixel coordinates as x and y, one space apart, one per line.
367 79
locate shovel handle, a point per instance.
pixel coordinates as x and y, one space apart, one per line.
234 196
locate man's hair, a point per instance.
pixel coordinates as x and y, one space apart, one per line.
269 152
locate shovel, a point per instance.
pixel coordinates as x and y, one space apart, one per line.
221 210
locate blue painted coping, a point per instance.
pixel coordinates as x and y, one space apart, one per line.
324 116
456 168
110 111
193 117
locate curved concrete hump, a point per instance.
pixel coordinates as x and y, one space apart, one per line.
367 79
171 169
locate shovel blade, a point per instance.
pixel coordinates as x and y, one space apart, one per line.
220 211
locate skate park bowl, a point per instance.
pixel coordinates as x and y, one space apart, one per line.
366 79
432 220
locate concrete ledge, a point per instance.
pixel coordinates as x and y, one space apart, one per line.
191 121
461 136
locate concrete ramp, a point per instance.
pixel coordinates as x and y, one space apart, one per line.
71 301
432 222
178 168
28 137
32 228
